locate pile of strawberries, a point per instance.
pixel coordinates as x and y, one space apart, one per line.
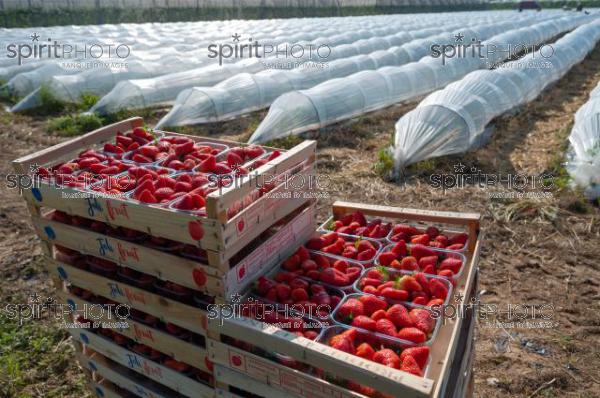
288 288
430 237
330 270
172 171
375 314
417 287
420 258
381 350
128 142
362 250
357 224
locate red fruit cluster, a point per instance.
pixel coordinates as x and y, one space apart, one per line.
353 341
288 288
356 224
349 247
374 314
416 288
430 237
128 142
420 258
329 270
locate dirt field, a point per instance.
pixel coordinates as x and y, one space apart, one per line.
536 251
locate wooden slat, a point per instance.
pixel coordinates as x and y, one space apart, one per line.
165 309
119 375
157 372
164 342
267 378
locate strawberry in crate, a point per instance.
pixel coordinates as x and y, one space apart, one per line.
419 257
416 287
286 288
431 236
127 142
357 224
408 324
378 349
362 250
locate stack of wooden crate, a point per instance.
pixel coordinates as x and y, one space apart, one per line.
167 345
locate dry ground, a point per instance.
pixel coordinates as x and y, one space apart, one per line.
535 252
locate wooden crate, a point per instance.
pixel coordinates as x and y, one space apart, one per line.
131 360
222 279
165 309
184 351
444 352
217 231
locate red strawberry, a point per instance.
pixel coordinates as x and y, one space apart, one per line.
422 320
379 314
271 294
364 322
302 253
443 239
208 165
359 217
372 304
419 354
149 151
412 334
350 309
299 294
400 249
366 255
386 258
283 291
420 250
446 273
422 281
292 263
186 203
438 289
316 243
163 193
388 358
253 151
456 246
409 264
263 285
408 283
222 168
394 294
425 261
385 326
432 232
365 351
453 264
234 160
459 239
344 341
399 316
309 265
340 265
147 197
334 277
433 302
410 365
422 239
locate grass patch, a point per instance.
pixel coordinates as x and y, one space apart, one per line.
385 163
285 143
50 105
32 356
73 125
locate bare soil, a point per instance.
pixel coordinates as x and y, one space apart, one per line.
536 251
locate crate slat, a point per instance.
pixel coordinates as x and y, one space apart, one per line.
165 309
138 363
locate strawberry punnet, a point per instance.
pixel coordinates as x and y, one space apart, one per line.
356 224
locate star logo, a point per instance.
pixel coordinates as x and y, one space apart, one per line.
35 37
34 298
459 168
236 297
459 297
236 37
459 37
34 168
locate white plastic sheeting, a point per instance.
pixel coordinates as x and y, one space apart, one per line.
162 90
340 99
454 119
156 49
583 157
247 93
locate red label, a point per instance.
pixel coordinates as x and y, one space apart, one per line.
127 253
142 333
118 211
